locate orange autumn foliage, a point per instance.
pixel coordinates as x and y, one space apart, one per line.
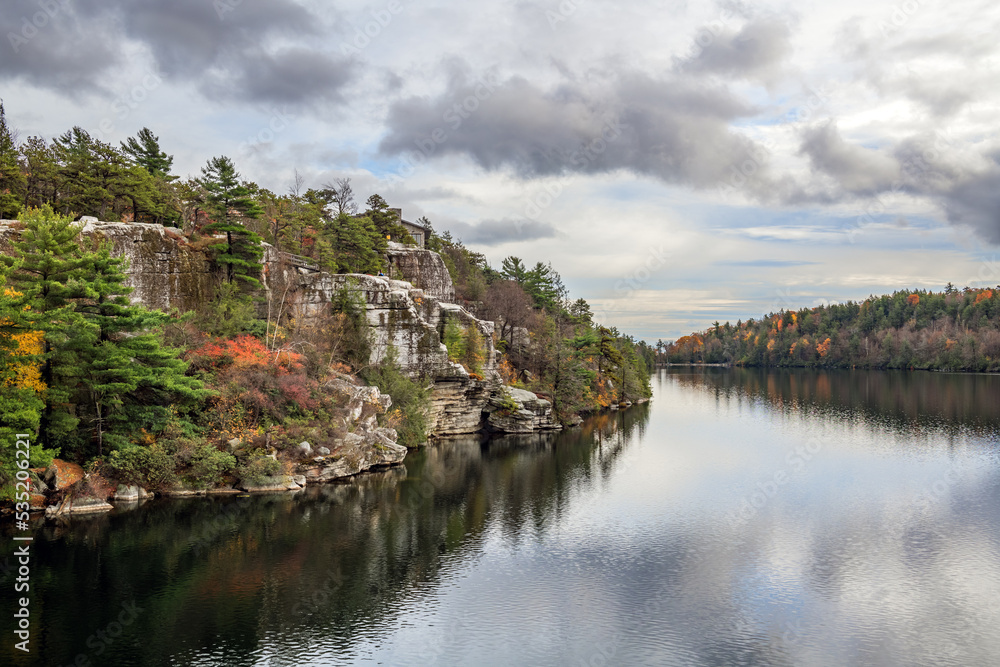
823 348
913 299
983 296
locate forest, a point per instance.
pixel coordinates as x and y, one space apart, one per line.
147 397
952 330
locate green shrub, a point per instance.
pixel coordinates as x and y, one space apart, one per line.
410 400
257 468
149 467
209 466
454 340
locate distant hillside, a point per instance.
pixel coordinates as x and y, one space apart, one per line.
950 330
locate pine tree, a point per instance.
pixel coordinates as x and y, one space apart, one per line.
102 360
120 360
13 184
358 245
94 174
45 275
41 173
144 149
228 199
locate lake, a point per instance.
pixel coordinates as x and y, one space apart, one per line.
743 517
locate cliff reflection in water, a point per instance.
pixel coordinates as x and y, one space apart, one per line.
255 579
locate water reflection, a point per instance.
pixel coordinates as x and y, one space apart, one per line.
743 518
900 400
260 579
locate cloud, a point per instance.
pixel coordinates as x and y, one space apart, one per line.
42 44
671 128
294 76
754 51
856 169
231 48
498 232
974 201
766 263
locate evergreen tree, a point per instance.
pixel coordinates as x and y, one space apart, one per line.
228 199
357 243
144 149
45 276
13 184
101 359
386 221
41 173
123 369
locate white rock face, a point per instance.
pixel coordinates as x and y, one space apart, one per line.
424 269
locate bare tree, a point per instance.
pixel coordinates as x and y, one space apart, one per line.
507 304
341 195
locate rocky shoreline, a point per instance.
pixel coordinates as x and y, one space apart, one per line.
407 313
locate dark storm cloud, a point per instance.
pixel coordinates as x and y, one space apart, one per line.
974 201
755 49
225 46
497 232
294 76
674 129
186 36
929 166
43 44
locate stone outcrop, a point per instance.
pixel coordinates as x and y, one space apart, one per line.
78 505
276 484
514 410
424 269
61 474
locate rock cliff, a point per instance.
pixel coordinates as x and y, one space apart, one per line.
408 315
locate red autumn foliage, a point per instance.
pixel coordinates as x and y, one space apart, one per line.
245 353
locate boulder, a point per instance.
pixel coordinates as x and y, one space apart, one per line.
127 493
356 453
514 410
304 450
323 451
275 484
61 474
182 489
79 505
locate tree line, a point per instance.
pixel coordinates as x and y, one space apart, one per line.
956 330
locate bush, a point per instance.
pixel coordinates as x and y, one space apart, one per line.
149 467
209 466
410 400
256 469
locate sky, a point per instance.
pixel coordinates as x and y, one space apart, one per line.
678 163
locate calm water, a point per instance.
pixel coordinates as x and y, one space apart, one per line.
743 518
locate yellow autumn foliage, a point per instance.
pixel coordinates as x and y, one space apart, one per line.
27 375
